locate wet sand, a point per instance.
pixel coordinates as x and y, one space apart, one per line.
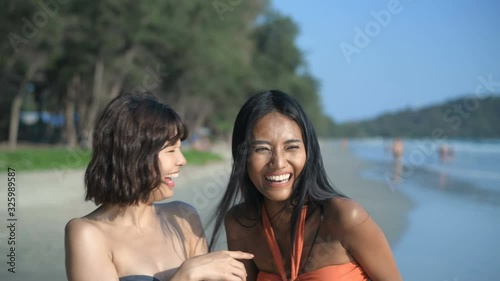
47 200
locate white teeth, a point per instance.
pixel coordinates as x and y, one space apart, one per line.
172 175
279 178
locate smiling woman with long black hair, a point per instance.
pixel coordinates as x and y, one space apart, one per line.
280 206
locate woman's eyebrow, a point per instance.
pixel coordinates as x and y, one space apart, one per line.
257 142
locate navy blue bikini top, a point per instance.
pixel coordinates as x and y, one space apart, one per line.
138 278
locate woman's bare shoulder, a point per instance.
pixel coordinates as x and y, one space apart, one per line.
181 214
240 222
242 215
83 230
345 213
179 208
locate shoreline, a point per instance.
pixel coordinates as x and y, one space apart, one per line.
455 215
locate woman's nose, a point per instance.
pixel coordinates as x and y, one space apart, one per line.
278 160
181 161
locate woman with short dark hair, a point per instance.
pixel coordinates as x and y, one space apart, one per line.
135 160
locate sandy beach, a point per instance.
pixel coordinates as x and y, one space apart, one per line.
47 200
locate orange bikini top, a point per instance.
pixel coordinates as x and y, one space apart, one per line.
343 272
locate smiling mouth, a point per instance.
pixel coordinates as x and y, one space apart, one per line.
279 179
168 179
174 175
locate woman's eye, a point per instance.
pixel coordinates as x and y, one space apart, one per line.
292 147
261 149
169 149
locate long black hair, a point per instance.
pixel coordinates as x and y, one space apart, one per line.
312 184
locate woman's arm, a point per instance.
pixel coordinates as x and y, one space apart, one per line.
201 265
87 256
366 242
221 265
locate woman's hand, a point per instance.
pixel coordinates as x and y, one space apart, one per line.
221 265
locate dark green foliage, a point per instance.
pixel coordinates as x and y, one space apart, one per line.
204 58
468 117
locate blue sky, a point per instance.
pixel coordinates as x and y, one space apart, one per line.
427 52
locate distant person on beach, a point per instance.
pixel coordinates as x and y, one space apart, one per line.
446 153
130 237
443 152
280 206
397 153
397 148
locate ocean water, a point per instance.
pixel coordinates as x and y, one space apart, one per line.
454 227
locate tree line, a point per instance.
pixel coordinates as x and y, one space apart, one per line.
68 58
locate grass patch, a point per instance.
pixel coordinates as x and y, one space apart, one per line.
194 157
44 159
69 159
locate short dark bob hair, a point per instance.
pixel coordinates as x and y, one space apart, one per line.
312 186
128 136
